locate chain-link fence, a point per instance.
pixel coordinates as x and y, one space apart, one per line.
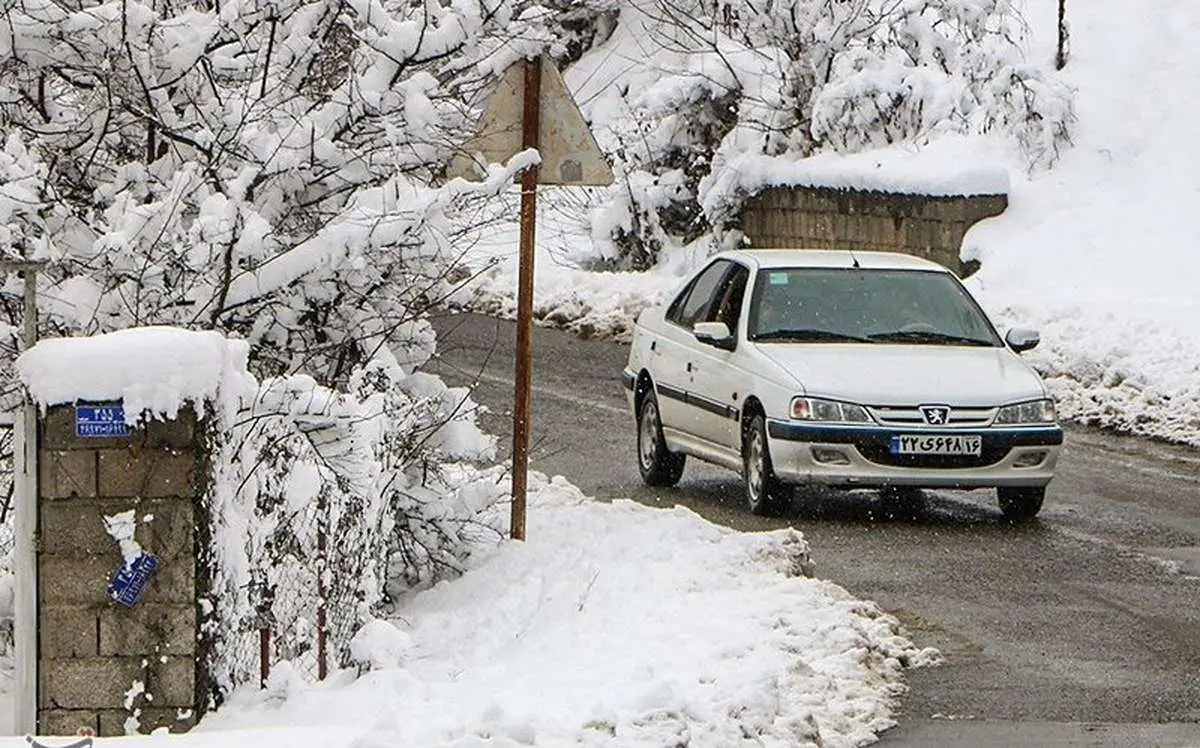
306 566
293 599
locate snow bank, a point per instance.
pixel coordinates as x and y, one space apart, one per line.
614 625
1100 251
155 369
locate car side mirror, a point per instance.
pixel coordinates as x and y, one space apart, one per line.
1022 339
715 334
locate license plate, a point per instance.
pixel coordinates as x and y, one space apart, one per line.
937 444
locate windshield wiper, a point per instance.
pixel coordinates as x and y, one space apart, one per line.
927 336
807 335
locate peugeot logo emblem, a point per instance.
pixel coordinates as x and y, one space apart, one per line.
935 415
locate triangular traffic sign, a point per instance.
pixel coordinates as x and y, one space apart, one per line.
569 152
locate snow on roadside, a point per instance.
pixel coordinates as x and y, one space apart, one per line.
614 624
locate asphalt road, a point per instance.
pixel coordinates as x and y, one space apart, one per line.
1079 629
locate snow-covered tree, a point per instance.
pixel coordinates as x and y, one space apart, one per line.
790 79
274 170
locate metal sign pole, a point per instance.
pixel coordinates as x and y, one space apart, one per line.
530 126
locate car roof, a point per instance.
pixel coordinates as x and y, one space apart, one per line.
831 258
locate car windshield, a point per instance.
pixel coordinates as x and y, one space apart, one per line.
859 305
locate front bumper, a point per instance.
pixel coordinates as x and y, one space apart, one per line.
860 456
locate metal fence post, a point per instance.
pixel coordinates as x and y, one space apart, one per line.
322 592
264 655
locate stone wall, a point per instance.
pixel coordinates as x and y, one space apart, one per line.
816 218
92 650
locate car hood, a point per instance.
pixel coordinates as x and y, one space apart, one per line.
907 374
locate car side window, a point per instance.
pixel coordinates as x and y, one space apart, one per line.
732 293
694 303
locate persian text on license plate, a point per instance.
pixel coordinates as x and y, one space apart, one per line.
937 444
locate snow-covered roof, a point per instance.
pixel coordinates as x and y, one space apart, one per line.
155 369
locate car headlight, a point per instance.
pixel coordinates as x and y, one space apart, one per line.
829 411
1034 411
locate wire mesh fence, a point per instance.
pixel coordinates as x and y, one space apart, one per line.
306 596
311 549
290 595
7 543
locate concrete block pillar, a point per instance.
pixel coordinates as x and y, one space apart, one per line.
102 665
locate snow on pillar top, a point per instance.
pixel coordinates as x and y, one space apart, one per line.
151 369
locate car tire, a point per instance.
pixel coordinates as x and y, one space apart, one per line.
658 465
1021 503
765 493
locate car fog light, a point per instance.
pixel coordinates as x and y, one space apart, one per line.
1030 459
827 456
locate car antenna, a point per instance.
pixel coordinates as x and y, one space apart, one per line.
854 259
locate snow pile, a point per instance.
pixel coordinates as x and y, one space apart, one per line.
151 369
614 625
380 645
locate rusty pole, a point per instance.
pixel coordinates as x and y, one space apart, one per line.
264 656
524 354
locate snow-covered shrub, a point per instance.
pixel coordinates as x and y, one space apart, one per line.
263 168
379 644
340 500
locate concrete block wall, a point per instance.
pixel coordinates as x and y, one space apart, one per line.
928 226
91 650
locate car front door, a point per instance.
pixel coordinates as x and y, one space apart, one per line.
716 381
676 353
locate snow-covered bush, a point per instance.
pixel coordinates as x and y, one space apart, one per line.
736 79
339 500
265 168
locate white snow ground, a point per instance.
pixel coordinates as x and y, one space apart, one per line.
613 625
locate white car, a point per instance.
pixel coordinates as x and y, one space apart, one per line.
856 370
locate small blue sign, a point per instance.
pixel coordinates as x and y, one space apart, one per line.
100 420
130 581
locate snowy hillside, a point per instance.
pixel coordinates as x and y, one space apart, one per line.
1101 252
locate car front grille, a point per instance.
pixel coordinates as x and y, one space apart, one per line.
880 454
904 416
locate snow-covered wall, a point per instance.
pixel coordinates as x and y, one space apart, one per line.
926 225
155 370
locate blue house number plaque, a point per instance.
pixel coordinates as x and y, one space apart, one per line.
100 420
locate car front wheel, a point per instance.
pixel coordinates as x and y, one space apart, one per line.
1021 503
658 465
765 493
